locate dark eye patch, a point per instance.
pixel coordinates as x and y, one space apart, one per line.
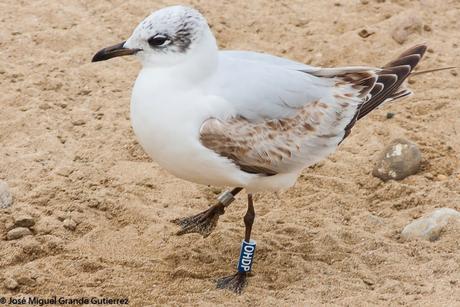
158 40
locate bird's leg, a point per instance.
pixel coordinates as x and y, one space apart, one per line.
205 222
238 281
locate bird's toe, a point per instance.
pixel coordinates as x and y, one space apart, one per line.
235 282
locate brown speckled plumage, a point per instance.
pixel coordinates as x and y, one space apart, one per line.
280 145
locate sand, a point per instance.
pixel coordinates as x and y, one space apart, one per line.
68 151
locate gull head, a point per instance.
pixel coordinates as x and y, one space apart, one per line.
167 37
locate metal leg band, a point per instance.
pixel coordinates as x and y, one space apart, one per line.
226 198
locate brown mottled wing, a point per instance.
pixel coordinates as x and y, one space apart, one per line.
279 145
287 144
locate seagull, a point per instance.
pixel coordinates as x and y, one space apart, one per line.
242 119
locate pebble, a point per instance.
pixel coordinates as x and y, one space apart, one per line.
70 224
442 177
24 220
365 33
390 115
44 106
6 200
65 171
398 160
17 233
405 27
84 92
78 122
430 227
10 283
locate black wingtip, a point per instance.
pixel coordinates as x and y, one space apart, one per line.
419 49
410 57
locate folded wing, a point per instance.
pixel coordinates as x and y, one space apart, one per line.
287 119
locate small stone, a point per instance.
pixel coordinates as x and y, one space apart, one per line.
368 281
78 122
442 177
27 281
10 283
24 220
430 227
427 28
65 171
70 224
62 216
17 233
44 106
454 73
6 200
390 115
406 26
365 33
302 22
84 92
398 160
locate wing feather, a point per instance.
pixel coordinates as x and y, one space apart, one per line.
290 143
289 115
401 68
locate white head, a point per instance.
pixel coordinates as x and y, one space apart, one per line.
167 37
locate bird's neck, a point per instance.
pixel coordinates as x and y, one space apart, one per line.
202 60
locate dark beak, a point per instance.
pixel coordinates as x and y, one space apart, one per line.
113 51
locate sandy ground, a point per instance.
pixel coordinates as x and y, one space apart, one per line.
67 150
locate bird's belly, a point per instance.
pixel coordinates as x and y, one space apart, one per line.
169 133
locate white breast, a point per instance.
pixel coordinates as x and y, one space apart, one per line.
166 117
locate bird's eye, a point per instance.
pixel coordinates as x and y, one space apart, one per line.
158 40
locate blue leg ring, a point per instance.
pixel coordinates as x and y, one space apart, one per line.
246 256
